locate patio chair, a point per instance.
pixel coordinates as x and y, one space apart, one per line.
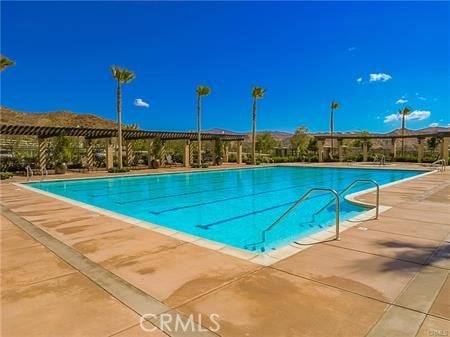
169 162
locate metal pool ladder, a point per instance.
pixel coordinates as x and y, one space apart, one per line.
336 196
354 182
299 201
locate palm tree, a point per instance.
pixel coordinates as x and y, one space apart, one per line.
5 62
257 93
333 106
201 91
404 112
122 76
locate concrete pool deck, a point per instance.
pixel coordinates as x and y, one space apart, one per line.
85 274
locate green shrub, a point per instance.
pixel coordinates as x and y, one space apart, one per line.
407 157
203 165
118 170
5 175
288 159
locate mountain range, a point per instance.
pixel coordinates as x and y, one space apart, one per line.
63 118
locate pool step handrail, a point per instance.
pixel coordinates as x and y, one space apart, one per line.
298 202
29 172
353 183
441 163
44 171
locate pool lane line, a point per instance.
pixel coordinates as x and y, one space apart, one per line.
188 193
235 198
127 178
57 192
155 183
197 192
214 190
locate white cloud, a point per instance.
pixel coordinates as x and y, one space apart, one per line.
401 101
433 125
141 103
419 115
391 118
380 77
420 97
359 79
415 115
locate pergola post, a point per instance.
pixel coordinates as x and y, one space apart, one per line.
239 153
340 150
320 144
420 149
89 154
187 154
162 156
43 152
364 144
444 149
110 154
130 154
191 152
394 148
225 152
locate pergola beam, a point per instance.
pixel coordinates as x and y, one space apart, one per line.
89 133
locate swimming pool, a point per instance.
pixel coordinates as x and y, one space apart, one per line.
232 207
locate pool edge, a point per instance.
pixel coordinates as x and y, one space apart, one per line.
264 259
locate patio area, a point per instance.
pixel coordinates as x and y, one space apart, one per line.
69 271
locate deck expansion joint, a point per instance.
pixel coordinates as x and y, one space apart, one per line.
124 292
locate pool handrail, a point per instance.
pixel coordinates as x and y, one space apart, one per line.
299 201
441 163
353 183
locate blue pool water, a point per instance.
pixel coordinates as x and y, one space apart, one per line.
228 206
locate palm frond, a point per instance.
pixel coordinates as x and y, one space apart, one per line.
405 111
335 105
122 75
203 90
258 92
5 62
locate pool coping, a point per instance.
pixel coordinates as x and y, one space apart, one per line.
263 259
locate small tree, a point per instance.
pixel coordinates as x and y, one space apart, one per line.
364 138
300 140
432 143
265 142
312 145
218 149
157 148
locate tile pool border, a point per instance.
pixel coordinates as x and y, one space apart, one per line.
264 259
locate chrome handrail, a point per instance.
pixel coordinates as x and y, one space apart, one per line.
441 163
354 182
298 202
29 171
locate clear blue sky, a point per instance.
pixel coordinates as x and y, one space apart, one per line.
304 53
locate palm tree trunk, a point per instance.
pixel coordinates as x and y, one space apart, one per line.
403 133
199 136
254 132
119 120
332 131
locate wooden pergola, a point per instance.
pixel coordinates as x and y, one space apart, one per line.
43 133
442 136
